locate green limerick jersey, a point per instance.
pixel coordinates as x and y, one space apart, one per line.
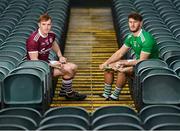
145 42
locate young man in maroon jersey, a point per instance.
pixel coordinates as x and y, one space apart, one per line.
38 47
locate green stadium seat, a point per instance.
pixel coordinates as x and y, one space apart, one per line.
22 111
65 119
116 118
25 87
161 118
12 127
105 110
166 126
119 126
22 121
149 110
161 89
46 69
69 110
64 126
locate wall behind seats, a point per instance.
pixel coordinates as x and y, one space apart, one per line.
90 3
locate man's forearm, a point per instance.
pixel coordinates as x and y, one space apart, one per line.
131 62
33 56
114 58
59 54
57 50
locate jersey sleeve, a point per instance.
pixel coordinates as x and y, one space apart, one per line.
127 41
31 45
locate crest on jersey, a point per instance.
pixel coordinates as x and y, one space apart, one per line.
47 42
50 40
43 43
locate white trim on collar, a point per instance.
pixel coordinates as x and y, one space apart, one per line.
139 33
41 34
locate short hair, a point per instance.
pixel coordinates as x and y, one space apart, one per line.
44 17
135 16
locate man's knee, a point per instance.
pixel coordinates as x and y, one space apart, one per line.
70 67
74 67
56 73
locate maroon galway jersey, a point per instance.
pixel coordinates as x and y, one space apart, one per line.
41 44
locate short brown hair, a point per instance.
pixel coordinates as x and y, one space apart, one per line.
135 16
44 17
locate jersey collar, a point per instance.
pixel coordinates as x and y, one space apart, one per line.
139 33
42 34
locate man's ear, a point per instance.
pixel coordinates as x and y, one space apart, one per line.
38 24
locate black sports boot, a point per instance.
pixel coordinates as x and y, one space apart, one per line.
75 96
62 93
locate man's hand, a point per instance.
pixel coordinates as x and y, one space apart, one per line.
56 64
122 63
108 68
117 65
105 67
102 66
62 60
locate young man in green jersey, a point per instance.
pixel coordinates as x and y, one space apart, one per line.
144 46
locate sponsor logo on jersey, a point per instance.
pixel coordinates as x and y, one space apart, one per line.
44 50
43 43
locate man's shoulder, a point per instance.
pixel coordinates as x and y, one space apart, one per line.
147 34
51 33
148 37
129 36
34 36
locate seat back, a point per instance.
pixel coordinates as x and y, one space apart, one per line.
22 89
18 120
167 126
161 118
161 89
64 126
12 127
115 118
105 110
149 110
66 119
119 126
22 111
69 110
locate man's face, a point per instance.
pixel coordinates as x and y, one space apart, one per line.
45 27
134 25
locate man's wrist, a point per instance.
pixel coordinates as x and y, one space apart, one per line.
106 63
60 56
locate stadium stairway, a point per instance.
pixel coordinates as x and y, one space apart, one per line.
91 39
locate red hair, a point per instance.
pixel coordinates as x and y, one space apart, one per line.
44 17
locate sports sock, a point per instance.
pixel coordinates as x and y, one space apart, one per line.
67 85
115 94
107 90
